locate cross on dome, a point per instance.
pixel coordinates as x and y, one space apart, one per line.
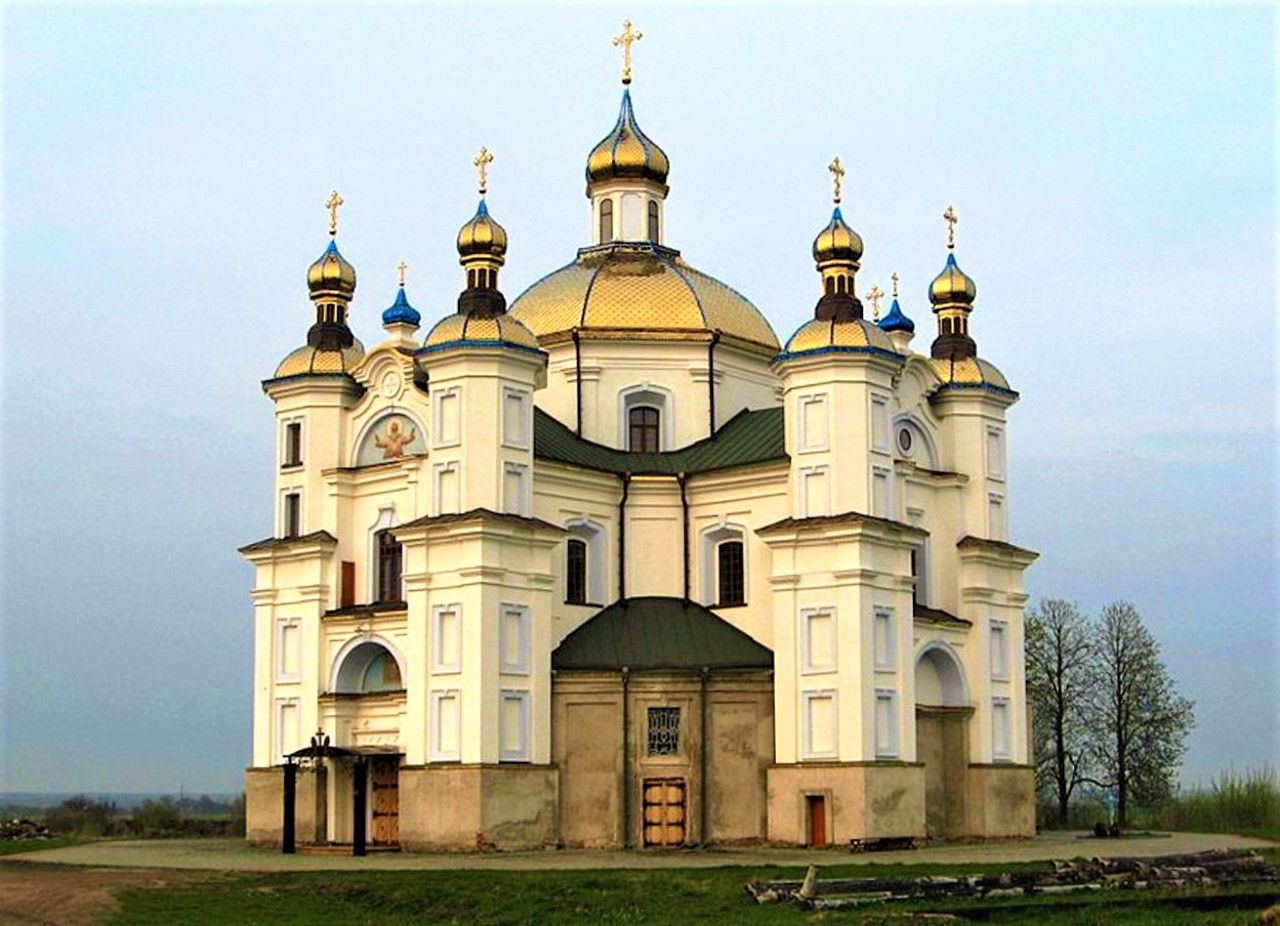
951 218
625 40
837 175
332 204
400 269
894 278
482 162
875 295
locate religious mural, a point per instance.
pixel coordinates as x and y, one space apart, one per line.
390 438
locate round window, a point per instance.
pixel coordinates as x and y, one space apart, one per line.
904 441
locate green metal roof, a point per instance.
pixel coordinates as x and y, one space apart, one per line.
659 633
747 438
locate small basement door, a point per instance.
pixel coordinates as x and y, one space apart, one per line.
664 811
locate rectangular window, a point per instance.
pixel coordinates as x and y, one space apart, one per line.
813 491
818 639
513 640
292 443
995 506
390 564
880 492
643 425
288 650
513 726
663 737
882 639
515 488
813 422
880 423
448 430
1000 743
448 489
446 632
919 576
515 418
999 650
575 582
446 725
995 453
819 728
291 516
886 724
731 573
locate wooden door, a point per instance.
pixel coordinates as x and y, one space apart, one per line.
816 805
384 804
664 811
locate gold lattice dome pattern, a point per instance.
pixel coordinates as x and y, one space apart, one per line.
482 235
971 372
952 286
641 292
837 241
491 331
308 359
627 151
331 273
826 334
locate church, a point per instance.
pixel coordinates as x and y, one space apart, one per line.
612 565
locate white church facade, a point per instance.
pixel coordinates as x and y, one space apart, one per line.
614 566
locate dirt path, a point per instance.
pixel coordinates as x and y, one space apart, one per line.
64 895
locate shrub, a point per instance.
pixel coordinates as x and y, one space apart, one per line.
81 816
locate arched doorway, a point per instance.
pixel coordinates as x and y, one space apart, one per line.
942 739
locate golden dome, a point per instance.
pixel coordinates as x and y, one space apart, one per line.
640 292
837 242
970 373
331 275
308 359
627 152
480 330
952 286
855 335
482 236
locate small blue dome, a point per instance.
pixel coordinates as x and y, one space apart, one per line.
895 320
400 311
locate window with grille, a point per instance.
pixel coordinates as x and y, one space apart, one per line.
390 561
664 731
575 583
731 573
643 422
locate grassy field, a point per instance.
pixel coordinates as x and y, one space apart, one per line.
31 845
610 897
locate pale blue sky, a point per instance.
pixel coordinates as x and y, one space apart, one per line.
164 173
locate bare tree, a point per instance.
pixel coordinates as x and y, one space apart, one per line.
1059 657
1138 720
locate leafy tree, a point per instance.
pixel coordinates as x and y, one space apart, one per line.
1059 656
1138 720
81 815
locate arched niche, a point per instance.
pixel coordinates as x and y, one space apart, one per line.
940 678
367 665
390 436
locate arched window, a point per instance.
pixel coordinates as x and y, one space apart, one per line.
606 221
731 573
575 573
390 562
653 221
642 424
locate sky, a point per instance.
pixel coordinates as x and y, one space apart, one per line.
164 174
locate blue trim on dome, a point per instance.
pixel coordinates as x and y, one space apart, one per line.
479 342
839 349
982 387
401 312
895 320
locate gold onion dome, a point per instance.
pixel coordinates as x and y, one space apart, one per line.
639 292
837 242
480 330
331 274
952 286
627 152
482 236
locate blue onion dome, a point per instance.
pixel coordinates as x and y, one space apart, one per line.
627 152
894 320
837 242
331 274
401 312
952 286
482 236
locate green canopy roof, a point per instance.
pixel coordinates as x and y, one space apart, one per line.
659 633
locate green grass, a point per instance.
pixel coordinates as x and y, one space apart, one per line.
552 898
35 845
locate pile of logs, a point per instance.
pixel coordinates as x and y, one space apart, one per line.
14 830
1216 868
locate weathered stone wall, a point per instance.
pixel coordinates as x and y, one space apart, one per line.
863 800
463 807
1002 801
264 807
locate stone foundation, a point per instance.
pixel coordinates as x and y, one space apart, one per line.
458 807
863 800
264 807
1001 801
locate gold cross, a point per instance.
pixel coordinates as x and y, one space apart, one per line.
401 268
894 277
625 40
875 296
837 174
952 219
332 204
482 162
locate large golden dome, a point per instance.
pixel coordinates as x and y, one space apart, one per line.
627 151
638 292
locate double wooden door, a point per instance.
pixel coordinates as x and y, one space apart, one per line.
665 805
384 800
